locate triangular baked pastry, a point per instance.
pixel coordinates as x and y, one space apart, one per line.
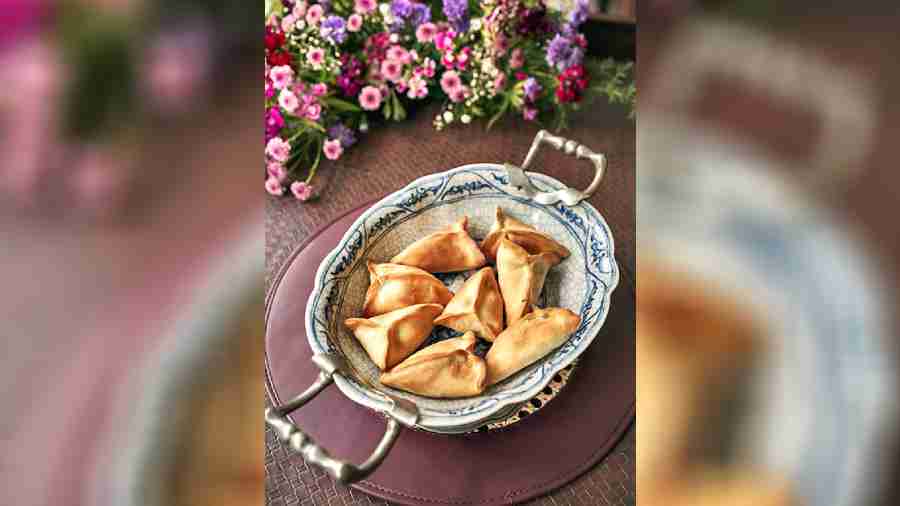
533 240
521 276
477 306
525 342
448 369
450 250
391 337
395 286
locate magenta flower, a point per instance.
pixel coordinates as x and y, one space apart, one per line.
354 23
364 6
459 94
333 149
392 70
282 76
399 54
301 190
270 90
277 149
319 89
428 67
418 88
426 32
288 101
444 40
450 82
529 113
499 82
273 186
370 98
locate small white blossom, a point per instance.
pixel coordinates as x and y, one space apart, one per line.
448 116
476 24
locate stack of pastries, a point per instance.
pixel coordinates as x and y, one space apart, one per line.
405 301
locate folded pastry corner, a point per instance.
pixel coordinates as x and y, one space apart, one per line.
447 369
528 340
395 286
521 277
393 336
449 250
476 307
526 236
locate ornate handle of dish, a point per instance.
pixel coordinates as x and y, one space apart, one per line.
403 413
568 196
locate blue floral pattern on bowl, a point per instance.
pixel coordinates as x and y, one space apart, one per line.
428 204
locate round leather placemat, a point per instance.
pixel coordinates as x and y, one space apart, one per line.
544 451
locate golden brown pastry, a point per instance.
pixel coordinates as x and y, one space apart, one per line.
524 235
391 337
448 369
521 276
477 306
529 339
395 286
450 250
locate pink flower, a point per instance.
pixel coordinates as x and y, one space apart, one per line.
276 169
448 59
426 32
288 101
529 113
354 23
517 59
364 6
418 88
278 149
301 190
314 14
401 85
499 82
463 58
273 186
333 149
270 90
287 23
282 76
370 98
399 53
459 94
444 40
392 70
428 67
501 44
450 82
313 112
316 55
319 89
300 9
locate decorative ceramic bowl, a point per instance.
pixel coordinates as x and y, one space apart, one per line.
582 283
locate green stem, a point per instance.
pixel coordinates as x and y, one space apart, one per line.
312 171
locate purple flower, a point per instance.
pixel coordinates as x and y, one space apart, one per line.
563 53
532 89
401 8
274 122
420 14
334 28
343 133
457 12
579 14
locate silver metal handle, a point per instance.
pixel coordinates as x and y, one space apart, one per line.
568 196
402 413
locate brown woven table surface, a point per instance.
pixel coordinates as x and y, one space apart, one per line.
392 156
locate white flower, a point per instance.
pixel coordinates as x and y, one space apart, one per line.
475 25
394 38
288 101
466 119
448 116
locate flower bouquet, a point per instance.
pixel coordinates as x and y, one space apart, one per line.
335 67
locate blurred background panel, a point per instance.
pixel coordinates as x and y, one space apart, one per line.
129 141
767 202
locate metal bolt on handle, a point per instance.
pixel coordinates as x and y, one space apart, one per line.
402 413
568 196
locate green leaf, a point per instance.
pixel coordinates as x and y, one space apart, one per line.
387 110
339 105
399 111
